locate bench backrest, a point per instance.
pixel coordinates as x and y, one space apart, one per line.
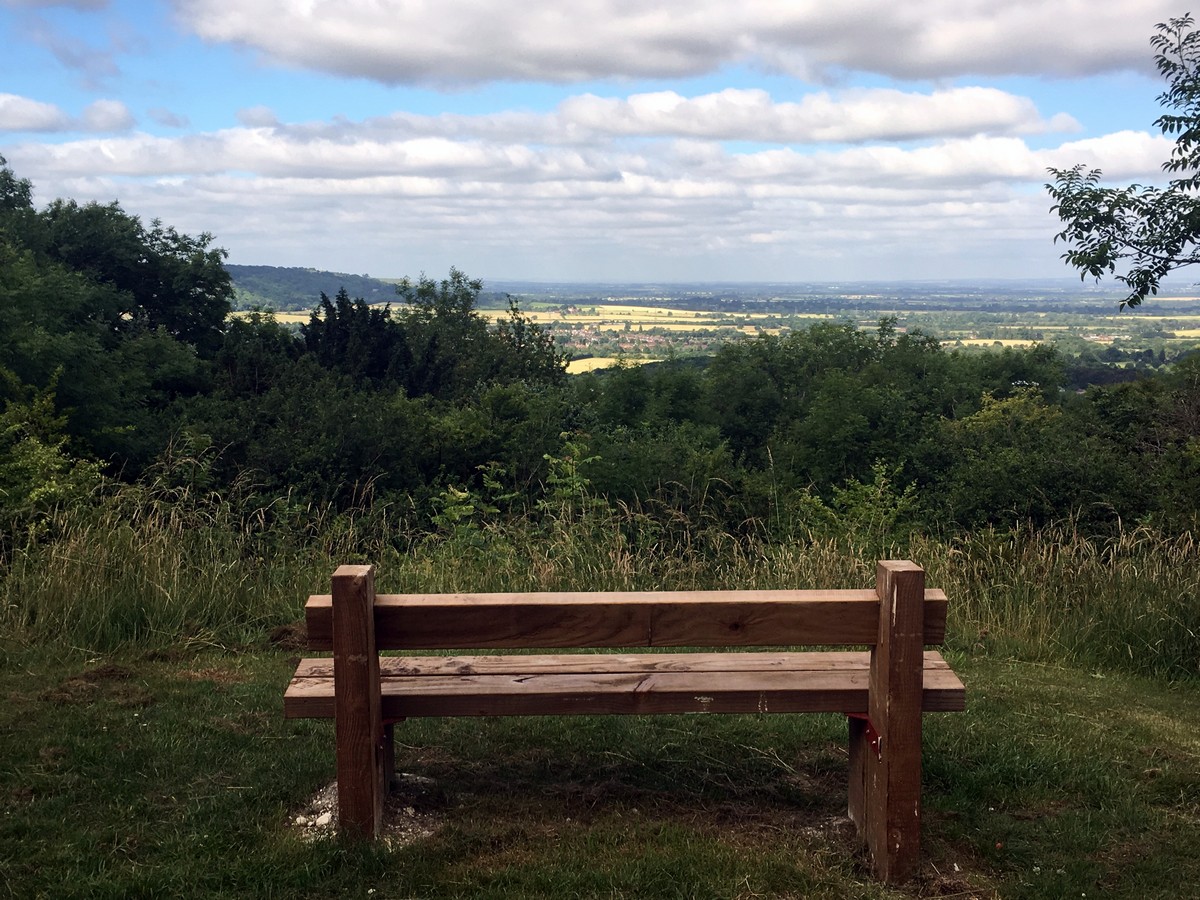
630 619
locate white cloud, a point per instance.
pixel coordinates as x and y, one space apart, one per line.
1123 156
684 208
106 115
22 114
458 42
642 186
854 116
588 138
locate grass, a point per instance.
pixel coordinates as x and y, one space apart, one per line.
172 774
143 750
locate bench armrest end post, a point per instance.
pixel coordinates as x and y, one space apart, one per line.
358 720
885 751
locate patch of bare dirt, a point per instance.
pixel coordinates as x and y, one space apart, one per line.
937 884
104 682
409 813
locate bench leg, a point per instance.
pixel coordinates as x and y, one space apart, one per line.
884 799
859 748
389 753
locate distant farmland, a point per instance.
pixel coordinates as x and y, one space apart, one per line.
598 334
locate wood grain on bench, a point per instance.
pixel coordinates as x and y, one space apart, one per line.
624 619
635 683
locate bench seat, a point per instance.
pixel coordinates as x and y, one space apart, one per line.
628 683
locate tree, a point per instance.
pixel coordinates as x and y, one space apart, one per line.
362 341
1150 231
117 321
16 194
166 280
453 350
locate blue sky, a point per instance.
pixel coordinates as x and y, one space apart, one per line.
599 140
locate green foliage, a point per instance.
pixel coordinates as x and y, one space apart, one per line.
128 315
255 353
458 511
358 340
1152 231
16 194
526 351
437 346
878 512
568 496
37 475
161 278
1021 459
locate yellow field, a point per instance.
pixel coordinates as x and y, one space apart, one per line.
1187 332
691 326
287 318
592 363
607 321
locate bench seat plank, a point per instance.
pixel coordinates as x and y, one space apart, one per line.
641 683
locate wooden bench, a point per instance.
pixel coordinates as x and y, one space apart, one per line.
883 690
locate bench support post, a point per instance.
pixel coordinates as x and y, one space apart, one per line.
389 754
357 712
885 748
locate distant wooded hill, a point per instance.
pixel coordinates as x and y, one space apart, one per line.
300 288
296 288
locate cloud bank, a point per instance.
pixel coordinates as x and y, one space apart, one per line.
651 180
461 42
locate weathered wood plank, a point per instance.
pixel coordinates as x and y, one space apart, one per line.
892 776
621 619
358 717
805 684
568 663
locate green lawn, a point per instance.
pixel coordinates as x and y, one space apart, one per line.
174 774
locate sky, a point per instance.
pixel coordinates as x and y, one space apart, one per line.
589 140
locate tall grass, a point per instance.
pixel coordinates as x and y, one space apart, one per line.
1129 601
158 565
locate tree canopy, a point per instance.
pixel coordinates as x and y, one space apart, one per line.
1148 231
